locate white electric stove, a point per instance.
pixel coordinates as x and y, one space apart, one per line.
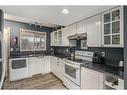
72 68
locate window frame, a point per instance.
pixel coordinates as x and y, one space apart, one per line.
34 33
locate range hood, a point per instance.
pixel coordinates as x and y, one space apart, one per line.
82 36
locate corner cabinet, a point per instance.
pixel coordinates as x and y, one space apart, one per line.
112 35
60 37
56 38
91 79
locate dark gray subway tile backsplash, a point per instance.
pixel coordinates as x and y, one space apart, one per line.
112 55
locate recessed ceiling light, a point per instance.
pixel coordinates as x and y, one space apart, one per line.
65 11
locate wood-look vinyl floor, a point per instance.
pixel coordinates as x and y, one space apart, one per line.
47 81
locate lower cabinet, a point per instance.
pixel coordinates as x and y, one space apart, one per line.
57 67
31 66
38 65
91 79
60 67
54 65
47 67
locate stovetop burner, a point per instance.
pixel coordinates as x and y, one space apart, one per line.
81 61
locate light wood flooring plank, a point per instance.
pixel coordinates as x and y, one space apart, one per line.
47 81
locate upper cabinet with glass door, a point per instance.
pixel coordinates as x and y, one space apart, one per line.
112 35
59 37
56 38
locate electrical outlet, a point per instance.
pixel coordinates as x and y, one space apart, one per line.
103 54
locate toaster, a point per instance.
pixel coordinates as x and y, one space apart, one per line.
98 60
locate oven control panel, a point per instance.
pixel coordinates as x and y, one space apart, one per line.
86 55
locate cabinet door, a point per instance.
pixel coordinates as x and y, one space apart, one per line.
54 65
35 64
52 38
59 38
65 34
55 38
57 67
29 67
113 28
94 31
72 29
91 79
32 66
81 27
47 65
60 68
40 62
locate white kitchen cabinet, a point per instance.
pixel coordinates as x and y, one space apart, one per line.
60 68
94 31
57 67
59 37
81 27
72 29
65 41
36 65
40 65
112 28
47 67
54 65
56 38
31 66
52 38
91 79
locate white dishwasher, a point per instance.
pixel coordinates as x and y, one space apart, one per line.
18 68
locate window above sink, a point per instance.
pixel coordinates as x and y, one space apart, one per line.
32 40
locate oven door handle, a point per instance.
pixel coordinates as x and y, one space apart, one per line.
75 66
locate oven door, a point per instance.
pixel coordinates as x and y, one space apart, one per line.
72 72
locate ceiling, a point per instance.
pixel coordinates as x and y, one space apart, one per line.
51 16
